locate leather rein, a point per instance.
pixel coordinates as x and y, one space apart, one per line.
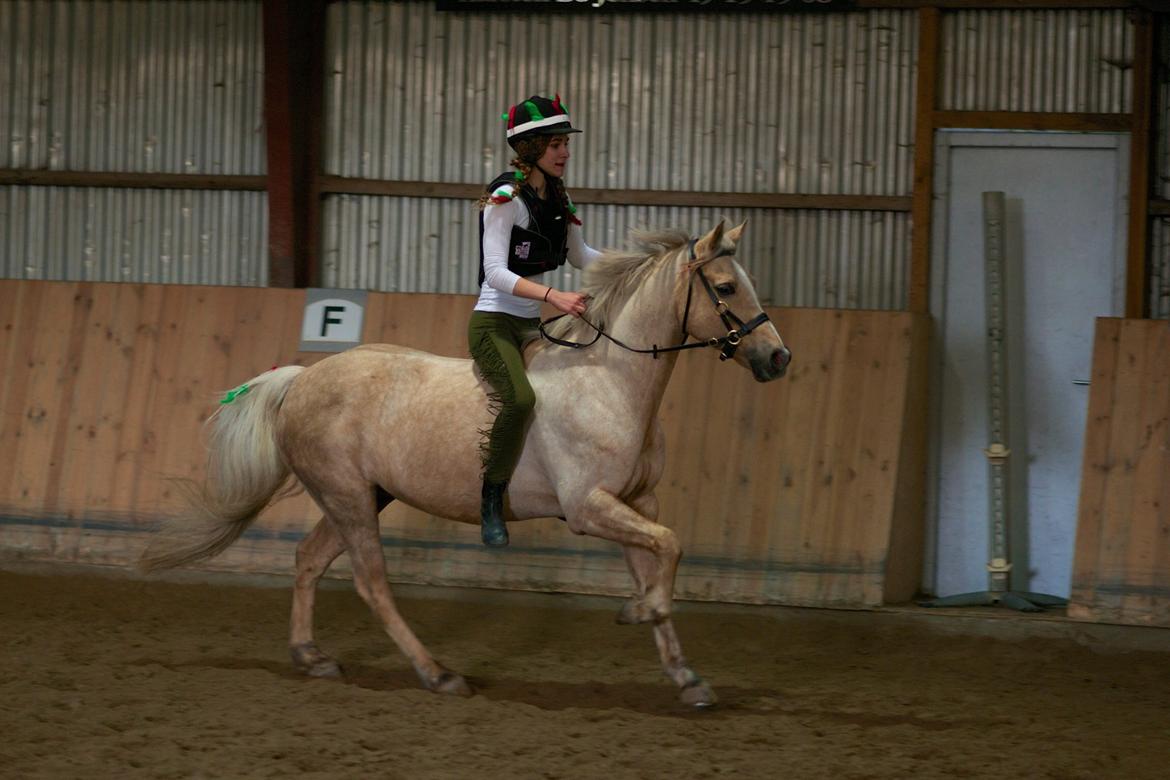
736 328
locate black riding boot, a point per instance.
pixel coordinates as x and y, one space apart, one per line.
491 513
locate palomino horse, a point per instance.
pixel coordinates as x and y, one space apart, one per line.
379 422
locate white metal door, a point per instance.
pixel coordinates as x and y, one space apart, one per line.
1064 251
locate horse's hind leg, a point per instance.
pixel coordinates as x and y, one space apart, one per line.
314 555
356 518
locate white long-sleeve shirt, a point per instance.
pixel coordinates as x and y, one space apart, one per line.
495 294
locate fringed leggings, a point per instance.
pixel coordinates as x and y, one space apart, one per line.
495 339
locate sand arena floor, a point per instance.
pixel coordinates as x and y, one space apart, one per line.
114 677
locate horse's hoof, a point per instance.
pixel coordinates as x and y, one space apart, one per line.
698 694
637 611
309 660
326 668
450 684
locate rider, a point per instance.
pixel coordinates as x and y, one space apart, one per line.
527 226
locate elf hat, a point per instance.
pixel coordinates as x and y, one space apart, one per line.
538 116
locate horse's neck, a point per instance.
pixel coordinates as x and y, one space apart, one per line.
648 319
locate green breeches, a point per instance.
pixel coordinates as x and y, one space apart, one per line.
495 340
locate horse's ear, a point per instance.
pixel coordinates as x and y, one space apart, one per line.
736 232
710 242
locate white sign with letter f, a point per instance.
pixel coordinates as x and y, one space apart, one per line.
333 320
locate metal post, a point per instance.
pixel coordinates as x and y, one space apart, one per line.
997 452
999 567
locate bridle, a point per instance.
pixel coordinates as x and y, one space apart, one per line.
736 328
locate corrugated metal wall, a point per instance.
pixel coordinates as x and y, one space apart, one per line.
1161 180
850 260
814 103
761 103
1077 61
769 103
1160 269
117 235
132 86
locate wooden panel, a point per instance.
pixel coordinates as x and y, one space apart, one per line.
39 381
16 309
784 492
908 524
78 400
1122 565
137 443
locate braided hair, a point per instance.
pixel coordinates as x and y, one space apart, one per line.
528 151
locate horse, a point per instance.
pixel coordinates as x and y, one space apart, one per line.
381 423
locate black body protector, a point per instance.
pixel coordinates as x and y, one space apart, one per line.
544 244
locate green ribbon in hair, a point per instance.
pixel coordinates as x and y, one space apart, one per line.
234 394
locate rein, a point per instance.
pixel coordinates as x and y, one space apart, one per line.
736 328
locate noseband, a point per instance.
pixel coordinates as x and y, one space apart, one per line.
736 328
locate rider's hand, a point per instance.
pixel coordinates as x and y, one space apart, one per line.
569 302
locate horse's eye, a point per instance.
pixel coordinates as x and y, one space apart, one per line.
725 289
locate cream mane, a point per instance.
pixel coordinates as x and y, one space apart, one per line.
616 275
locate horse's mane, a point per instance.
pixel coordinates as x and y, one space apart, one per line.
616 275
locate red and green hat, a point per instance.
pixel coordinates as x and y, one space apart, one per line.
538 116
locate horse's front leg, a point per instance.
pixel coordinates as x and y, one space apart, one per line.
644 568
652 551
693 689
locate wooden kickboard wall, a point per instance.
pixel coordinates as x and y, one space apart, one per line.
1121 571
807 490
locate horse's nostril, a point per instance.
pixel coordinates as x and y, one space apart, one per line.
781 358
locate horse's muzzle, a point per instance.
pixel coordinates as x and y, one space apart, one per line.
771 365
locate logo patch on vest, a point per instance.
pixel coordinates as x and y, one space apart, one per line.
522 249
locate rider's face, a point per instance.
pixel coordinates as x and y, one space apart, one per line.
555 156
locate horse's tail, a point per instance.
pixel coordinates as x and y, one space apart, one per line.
245 473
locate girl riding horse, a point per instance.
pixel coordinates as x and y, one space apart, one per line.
528 226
